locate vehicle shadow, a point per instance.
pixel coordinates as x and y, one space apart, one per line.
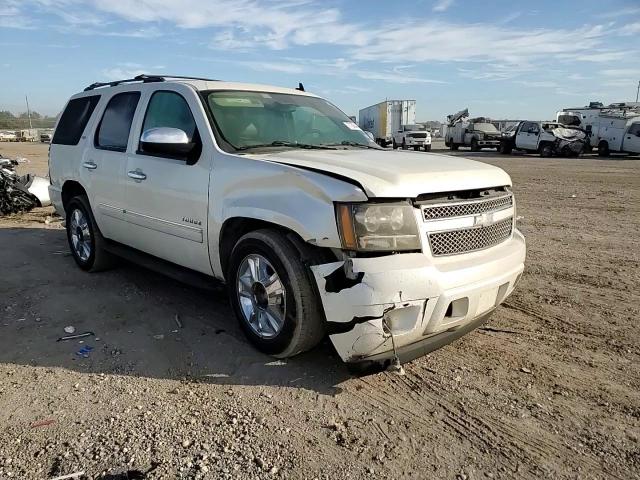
132 314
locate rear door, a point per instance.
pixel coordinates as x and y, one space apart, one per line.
167 197
105 160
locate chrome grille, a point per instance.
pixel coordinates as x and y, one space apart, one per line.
470 239
468 208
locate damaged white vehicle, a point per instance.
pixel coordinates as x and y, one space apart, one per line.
313 227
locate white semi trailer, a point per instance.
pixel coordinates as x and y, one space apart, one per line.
386 118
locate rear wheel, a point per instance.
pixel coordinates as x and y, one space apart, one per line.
603 149
427 148
416 148
474 145
453 146
272 295
395 145
85 240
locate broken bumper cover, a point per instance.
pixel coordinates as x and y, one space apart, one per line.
424 303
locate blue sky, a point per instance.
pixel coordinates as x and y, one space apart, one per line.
500 58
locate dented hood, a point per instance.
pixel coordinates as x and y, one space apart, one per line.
384 173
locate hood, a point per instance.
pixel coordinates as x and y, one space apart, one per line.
385 173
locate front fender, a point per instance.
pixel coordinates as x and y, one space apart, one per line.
295 198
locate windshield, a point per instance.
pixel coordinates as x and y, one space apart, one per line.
248 120
485 127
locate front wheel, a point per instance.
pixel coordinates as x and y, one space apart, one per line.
504 148
395 145
427 148
272 295
546 150
404 144
474 145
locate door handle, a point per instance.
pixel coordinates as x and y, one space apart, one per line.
136 175
89 165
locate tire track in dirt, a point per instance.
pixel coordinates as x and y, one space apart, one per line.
516 448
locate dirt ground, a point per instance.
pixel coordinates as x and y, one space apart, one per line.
549 389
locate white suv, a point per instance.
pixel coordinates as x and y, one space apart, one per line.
314 228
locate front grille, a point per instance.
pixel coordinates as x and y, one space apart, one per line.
417 135
471 239
467 208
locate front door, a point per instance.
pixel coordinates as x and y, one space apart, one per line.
632 139
167 197
527 137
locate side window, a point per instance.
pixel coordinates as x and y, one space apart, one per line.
113 131
525 127
74 120
635 129
170 109
534 128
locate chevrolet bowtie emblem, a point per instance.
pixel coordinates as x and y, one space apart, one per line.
483 220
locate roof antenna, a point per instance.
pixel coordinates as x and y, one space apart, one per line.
300 87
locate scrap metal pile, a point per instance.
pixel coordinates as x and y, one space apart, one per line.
18 193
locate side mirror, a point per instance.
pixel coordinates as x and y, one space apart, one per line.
166 141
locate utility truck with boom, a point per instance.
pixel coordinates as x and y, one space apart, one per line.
477 133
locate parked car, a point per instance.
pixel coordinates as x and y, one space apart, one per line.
545 138
314 228
386 118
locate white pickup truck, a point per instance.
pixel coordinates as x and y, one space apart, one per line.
619 134
412 136
545 138
314 228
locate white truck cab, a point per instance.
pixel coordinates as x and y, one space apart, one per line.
414 136
314 228
619 134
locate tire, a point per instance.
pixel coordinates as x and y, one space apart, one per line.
474 145
395 145
85 240
300 323
404 144
453 146
504 148
427 148
603 149
545 150
417 149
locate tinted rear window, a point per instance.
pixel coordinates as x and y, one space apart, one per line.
74 120
113 132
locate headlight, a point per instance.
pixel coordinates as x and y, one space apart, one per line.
377 226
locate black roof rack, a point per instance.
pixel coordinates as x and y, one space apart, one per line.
144 79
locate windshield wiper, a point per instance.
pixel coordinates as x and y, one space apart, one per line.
348 143
283 143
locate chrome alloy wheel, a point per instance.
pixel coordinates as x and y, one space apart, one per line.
262 296
80 235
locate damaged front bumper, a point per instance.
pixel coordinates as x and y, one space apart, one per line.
422 302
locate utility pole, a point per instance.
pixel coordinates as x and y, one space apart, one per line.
28 112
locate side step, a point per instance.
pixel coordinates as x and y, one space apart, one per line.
181 274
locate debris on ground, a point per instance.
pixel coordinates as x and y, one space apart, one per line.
20 193
70 329
74 337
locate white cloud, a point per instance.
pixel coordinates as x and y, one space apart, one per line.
630 29
442 5
538 84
